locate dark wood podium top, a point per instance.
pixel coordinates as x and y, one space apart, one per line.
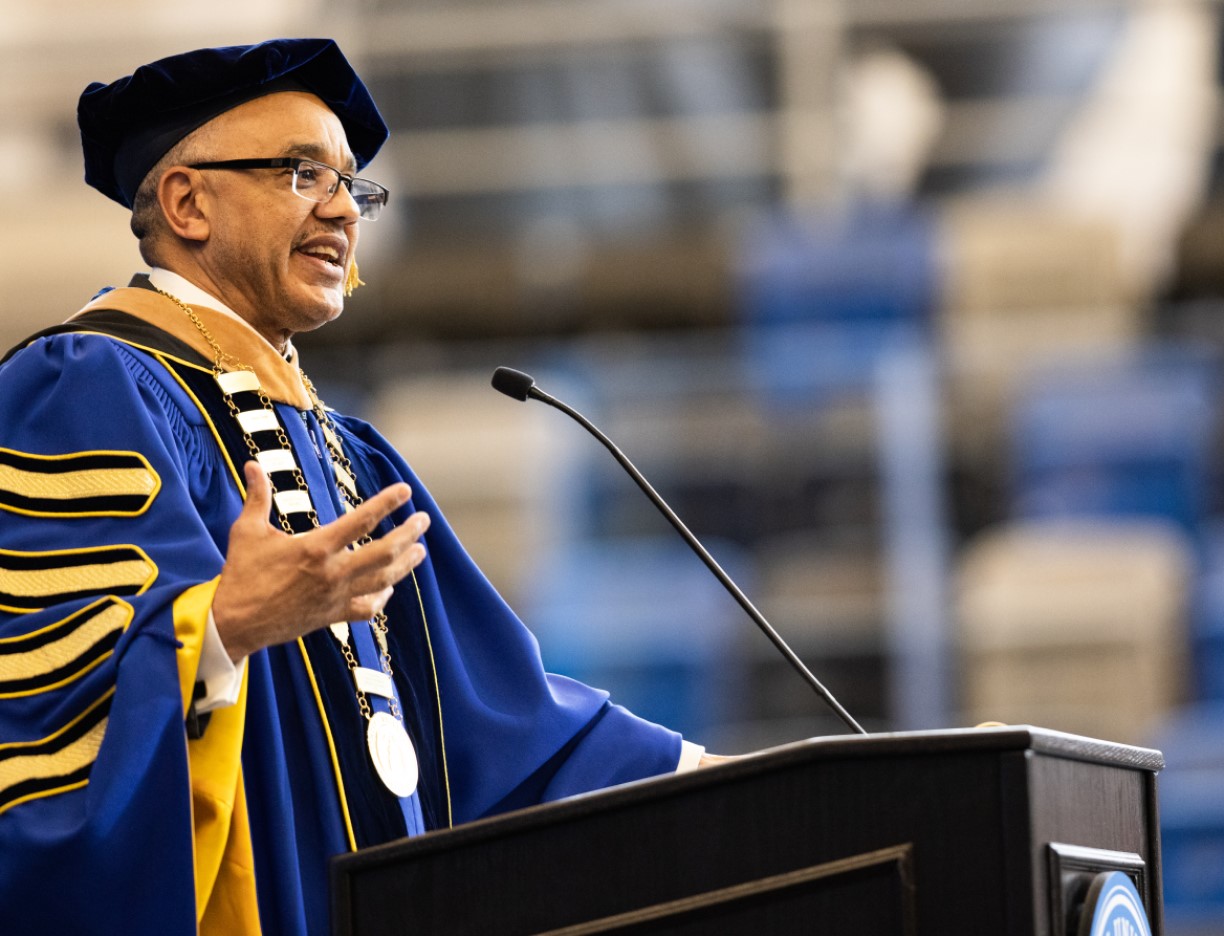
1003 738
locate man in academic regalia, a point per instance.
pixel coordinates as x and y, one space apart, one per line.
236 635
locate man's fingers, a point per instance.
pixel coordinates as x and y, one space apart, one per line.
352 526
326 550
276 587
364 607
388 559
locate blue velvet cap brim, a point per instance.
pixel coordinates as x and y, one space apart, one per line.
128 125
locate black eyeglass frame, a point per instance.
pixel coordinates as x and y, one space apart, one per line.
295 163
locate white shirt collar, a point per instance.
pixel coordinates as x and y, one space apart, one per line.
182 288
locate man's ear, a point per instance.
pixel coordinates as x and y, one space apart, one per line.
184 203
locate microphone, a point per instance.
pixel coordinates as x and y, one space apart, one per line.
522 387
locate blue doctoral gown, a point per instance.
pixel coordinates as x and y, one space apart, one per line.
120 475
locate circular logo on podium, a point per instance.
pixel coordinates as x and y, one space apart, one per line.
1113 908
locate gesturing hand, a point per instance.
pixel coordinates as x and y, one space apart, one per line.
275 587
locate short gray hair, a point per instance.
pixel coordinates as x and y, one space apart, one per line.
148 223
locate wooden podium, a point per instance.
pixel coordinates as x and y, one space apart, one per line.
970 831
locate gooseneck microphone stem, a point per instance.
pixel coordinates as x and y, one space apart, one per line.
522 387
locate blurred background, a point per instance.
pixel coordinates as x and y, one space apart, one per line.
914 310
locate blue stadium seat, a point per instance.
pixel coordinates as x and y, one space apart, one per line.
1132 436
1207 619
820 298
1192 819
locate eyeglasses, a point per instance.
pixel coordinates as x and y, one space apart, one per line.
315 181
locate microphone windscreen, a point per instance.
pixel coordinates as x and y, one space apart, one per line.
512 383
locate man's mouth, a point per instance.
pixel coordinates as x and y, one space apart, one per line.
326 254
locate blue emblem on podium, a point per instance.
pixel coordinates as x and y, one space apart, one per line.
1113 907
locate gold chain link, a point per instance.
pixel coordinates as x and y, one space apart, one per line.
378 622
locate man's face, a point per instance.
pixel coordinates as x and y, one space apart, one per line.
277 259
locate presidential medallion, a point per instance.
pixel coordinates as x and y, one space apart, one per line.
391 750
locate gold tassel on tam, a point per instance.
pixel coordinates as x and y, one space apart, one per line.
351 279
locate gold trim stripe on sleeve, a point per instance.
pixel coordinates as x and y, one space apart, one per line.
103 577
78 484
97 482
31 581
59 653
55 764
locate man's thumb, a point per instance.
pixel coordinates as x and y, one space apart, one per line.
259 490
